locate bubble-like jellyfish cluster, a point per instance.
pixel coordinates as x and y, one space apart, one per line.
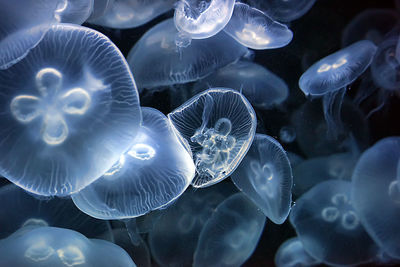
174 133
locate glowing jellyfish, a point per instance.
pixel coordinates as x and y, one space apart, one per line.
124 14
73 102
51 246
100 7
153 172
265 176
254 29
73 11
155 60
231 234
287 134
376 194
292 254
329 227
260 86
218 127
202 19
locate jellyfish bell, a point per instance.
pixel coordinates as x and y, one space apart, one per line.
100 7
292 254
73 11
287 134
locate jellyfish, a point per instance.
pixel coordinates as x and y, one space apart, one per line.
376 195
265 176
261 87
100 7
155 60
52 246
124 14
73 11
254 29
292 254
152 173
294 159
218 127
202 19
329 227
73 102
287 134
231 234
330 76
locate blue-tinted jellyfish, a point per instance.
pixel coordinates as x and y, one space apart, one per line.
100 7
329 227
292 254
254 29
59 247
218 127
155 60
153 172
265 176
231 234
124 14
294 159
287 134
260 86
73 11
376 194
73 102
202 19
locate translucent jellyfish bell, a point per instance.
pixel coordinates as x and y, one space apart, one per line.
217 126
376 194
254 29
202 19
73 102
152 173
328 226
265 176
100 7
155 60
292 254
73 11
231 234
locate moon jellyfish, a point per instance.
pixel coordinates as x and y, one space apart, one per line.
73 11
73 102
254 29
231 234
261 87
292 254
100 7
376 194
202 19
287 134
153 172
51 246
217 126
265 176
328 226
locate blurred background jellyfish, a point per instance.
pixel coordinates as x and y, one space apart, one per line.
218 127
202 19
73 11
153 172
376 194
254 29
231 235
53 247
155 60
287 134
328 226
330 76
100 7
265 177
292 254
73 102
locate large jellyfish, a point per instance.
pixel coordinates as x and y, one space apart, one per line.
154 171
265 176
217 126
376 194
73 102
254 29
200 19
52 247
328 226
231 234
292 254
155 60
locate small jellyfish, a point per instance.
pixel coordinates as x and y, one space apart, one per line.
254 29
287 134
202 19
265 176
329 227
156 60
73 11
152 173
73 102
292 254
231 234
376 194
217 126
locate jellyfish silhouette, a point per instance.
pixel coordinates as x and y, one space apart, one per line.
287 134
73 102
292 254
